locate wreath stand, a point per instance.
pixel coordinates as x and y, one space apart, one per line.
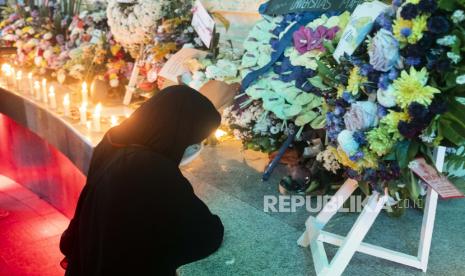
314 236
131 87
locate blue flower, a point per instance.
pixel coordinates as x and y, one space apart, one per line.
409 11
393 74
384 81
359 155
360 138
384 21
397 3
438 25
382 111
348 97
406 32
413 61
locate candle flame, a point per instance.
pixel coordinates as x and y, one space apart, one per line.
84 86
51 90
29 76
19 75
220 133
37 85
83 107
113 121
66 100
98 109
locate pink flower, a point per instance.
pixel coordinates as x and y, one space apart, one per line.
306 39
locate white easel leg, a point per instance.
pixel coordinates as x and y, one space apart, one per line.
357 234
430 214
314 225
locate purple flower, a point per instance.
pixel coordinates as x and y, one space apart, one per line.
429 6
417 111
438 25
409 11
307 39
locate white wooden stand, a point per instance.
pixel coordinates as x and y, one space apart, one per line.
132 85
314 236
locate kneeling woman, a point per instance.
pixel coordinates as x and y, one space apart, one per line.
137 214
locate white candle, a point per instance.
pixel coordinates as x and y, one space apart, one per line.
7 72
44 91
19 78
52 97
113 121
83 113
37 90
84 92
96 117
13 77
66 104
31 83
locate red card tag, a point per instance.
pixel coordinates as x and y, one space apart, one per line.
438 182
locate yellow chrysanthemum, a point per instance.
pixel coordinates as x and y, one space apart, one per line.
399 25
419 26
391 121
412 87
355 81
342 158
415 2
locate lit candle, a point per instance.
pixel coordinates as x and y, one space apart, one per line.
96 117
37 90
31 83
19 77
44 91
13 76
7 72
84 92
83 113
113 121
66 104
52 97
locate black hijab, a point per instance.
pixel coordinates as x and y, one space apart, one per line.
137 214
169 122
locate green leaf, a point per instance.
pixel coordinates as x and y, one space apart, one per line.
413 187
402 156
319 122
447 5
325 71
450 133
317 81
413 149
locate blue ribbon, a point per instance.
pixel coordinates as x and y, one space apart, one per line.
285 41
283 44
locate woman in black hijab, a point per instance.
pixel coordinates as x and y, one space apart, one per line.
137 214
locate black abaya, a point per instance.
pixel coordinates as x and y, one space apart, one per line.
137 214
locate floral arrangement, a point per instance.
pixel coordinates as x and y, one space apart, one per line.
395 98
133 22
224 67
283 91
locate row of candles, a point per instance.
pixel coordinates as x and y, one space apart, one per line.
41 92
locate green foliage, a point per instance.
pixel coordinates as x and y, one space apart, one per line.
455 162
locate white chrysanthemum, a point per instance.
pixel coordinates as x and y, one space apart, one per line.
131 26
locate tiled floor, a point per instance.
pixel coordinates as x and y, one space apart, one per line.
30 234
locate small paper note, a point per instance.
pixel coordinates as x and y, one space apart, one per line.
203 23
175 66
432 178
360 25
